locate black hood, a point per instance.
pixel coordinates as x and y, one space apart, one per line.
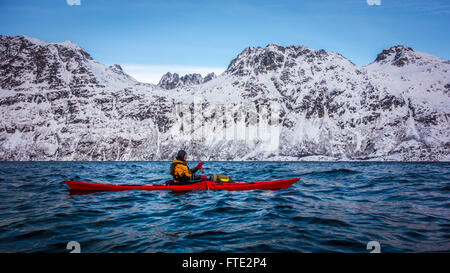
180 155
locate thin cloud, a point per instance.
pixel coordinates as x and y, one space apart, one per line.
73 2
153 73
373 2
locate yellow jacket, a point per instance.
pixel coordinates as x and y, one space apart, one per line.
180 171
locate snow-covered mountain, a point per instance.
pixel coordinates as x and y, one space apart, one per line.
272 103
170 81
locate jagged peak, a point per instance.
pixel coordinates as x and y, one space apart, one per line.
274 46
117 68
209 76
187 76
398 55
68 44
169 73
402 47
271 58
173 80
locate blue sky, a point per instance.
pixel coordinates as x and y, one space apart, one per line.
149 37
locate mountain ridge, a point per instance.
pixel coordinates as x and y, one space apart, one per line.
288 103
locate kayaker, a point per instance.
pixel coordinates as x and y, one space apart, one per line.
181 172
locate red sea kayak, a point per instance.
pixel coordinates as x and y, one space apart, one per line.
202 185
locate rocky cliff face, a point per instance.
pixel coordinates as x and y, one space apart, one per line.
272 103
57 103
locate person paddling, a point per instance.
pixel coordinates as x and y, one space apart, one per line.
181 172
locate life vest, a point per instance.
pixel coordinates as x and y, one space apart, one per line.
180 171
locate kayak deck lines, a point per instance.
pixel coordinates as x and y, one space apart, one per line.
202 185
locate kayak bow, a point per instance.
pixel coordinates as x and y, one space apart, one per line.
202 185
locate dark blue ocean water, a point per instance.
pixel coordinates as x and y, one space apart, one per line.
335 207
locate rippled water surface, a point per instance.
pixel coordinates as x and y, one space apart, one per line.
335 207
